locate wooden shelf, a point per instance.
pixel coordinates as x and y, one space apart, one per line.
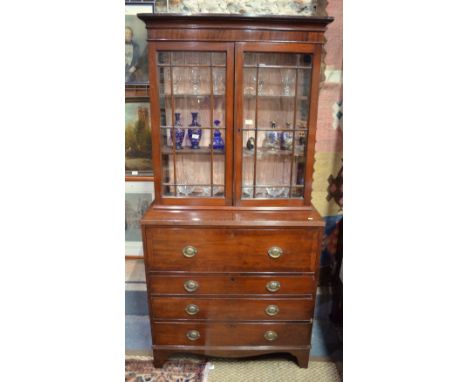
263 151
179 95
189 150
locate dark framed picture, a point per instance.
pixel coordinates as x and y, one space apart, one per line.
136 54
138 139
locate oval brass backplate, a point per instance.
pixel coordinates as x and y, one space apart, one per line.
273 286
192 309
275 252
189 251
272 310
193 335
191 286
270 335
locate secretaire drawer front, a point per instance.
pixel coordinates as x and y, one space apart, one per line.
231 334
232 309
218 249
196 284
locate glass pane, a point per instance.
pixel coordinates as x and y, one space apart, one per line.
276 86
219 58
297 192
305 60
250 59
303 77
167 171
180 75
197 58
298 170
193 169
248 150
273 169
218 191
193 133
218 169
138 138
163 58
165 111
300 145
168 190
219 112
250 81
277 112
274 59
164 81
219 81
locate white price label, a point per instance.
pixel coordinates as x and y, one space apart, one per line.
195 136
134 172
248 122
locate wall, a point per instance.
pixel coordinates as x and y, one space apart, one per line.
253 7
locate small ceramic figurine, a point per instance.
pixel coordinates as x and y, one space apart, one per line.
194 132
250 143
179 132
218 142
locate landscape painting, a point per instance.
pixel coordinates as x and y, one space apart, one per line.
138 138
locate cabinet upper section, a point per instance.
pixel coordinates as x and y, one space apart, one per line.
216 27
234 109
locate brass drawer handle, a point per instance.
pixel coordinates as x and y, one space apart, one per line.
272 310
191 286
189 251
275 252
192 309
193 335
270 335
273 286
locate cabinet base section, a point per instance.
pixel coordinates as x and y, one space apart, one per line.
162 353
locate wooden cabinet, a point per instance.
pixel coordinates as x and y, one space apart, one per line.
231 241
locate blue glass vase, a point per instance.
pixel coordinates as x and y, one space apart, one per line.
218 143
179 132
194 132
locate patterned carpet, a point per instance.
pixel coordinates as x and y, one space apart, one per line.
269 369
173 371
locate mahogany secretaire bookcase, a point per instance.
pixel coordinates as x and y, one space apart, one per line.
231 241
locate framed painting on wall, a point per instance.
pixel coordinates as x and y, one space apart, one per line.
138 197
138 160
136 55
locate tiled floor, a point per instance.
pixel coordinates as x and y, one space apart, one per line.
325 340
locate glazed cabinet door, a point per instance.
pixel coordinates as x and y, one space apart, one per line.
276 101
192 109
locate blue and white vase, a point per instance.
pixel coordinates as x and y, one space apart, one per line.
273 138
194 132
179 132
218 143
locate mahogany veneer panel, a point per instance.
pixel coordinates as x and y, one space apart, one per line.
232 309
230 284
231 334
222 249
